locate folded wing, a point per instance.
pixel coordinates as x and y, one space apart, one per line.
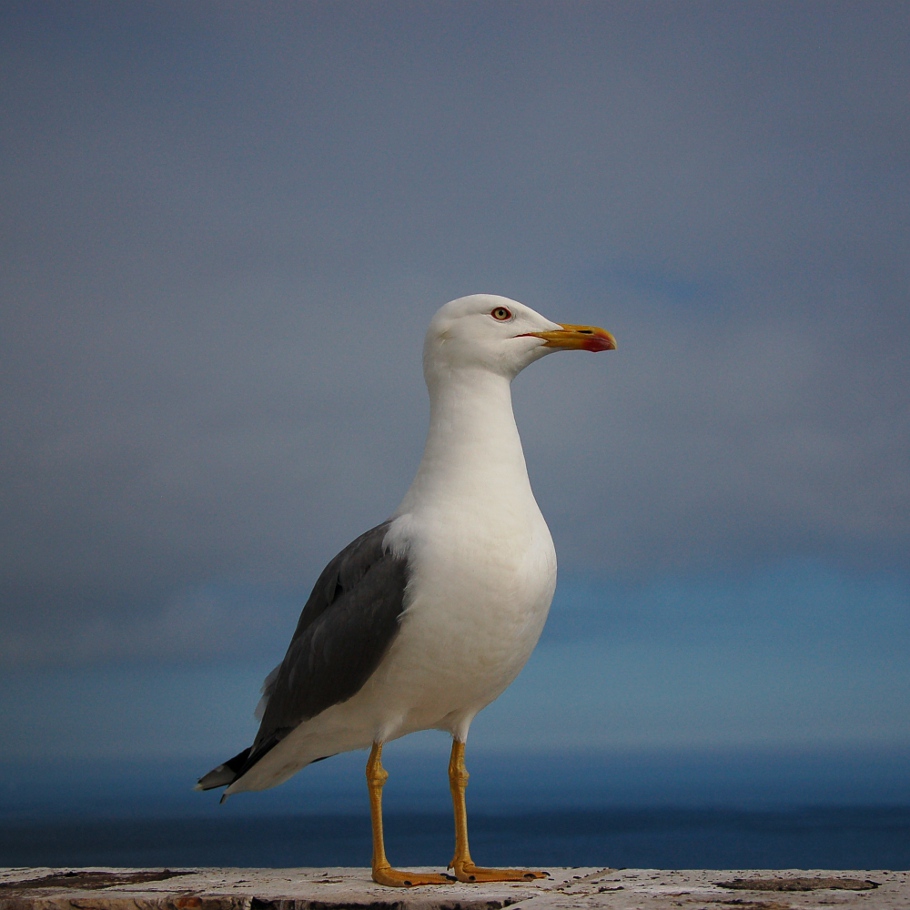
344 631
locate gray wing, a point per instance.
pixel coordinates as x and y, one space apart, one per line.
344 631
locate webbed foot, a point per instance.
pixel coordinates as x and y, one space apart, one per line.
468 872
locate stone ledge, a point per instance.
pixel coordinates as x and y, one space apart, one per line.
352 889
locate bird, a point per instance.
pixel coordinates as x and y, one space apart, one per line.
425 619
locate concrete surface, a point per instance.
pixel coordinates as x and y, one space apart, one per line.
326 889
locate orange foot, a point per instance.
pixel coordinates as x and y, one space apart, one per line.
468 872
396 878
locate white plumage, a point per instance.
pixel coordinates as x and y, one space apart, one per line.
480 563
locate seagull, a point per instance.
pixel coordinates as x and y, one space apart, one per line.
424 620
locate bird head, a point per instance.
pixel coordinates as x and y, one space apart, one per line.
499 335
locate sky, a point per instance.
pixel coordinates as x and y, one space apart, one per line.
225 228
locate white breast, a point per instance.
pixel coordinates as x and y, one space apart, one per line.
475 610
483 567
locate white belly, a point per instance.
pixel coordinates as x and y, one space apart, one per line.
472 622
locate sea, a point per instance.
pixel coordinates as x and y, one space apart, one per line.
669 812
808 838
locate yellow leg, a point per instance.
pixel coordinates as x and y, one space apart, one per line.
383 873
462 864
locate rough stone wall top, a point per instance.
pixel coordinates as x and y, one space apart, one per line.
352 889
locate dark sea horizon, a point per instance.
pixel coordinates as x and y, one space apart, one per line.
669 810
807 838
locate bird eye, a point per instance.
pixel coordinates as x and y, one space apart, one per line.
501 313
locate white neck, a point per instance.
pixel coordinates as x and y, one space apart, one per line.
473 456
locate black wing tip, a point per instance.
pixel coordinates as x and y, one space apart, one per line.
224 775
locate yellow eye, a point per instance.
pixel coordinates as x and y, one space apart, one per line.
501 313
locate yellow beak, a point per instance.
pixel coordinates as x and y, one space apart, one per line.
578 338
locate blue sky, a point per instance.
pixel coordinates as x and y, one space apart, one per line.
225 230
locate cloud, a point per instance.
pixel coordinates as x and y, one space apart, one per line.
227 232
192 626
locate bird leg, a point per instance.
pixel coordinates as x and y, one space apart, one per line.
383 873
462 864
